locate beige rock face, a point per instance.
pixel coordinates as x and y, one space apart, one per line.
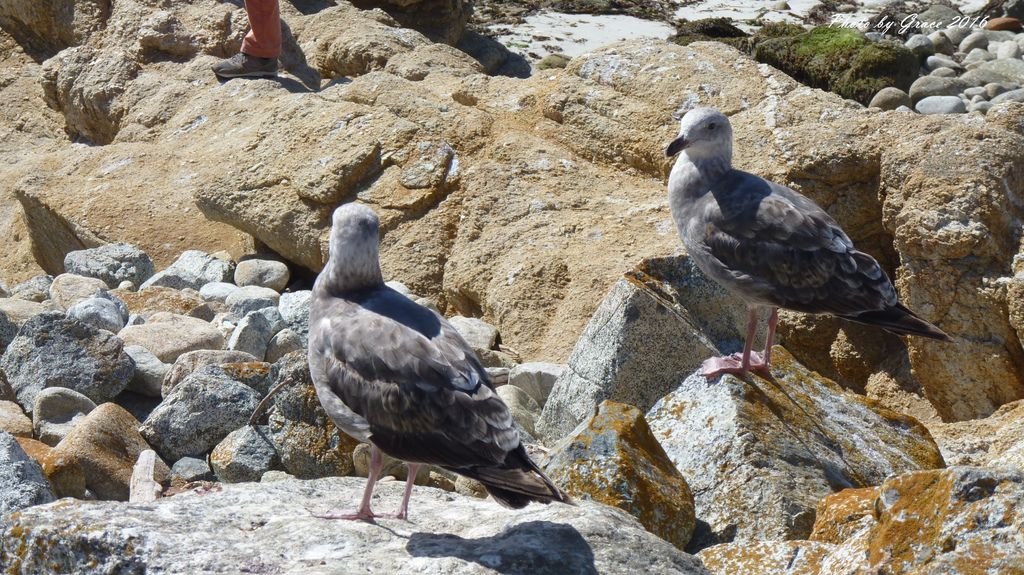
105 445
516 200
168 336
997 440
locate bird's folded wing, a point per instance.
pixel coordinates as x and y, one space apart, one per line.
426 399
785 248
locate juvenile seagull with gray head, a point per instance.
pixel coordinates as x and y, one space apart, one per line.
397 375
771 246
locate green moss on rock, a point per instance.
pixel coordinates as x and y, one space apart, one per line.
841 60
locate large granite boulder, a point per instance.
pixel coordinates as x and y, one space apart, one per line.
759 454
270 527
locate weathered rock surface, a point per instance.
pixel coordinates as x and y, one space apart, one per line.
13 314
192 269
168 336
538 190
13 420
536 378
654 327
769 450
22 483
69 289
155 299
198 413
307 440
106 444
244 455
997 440
193 360
112 263
270 527
52 350
149 373
67 479
959 521
613 458
56 411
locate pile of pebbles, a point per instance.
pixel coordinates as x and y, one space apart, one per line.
965 70
113 358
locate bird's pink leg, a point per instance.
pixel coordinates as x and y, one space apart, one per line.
363 513
740 364
403 510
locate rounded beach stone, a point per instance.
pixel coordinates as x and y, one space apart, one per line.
101 313
890 98
106 444
941 105
69 289
251 298
263 273
283 343
56 411
217 291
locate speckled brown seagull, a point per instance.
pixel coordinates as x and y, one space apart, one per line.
770 246
398 376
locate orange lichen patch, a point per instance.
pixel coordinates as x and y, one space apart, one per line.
64 473
157 298
911 511
615 459
842 514
776 557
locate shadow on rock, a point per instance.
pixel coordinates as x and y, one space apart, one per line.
532 548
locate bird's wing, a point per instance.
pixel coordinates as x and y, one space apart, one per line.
415 380
780 247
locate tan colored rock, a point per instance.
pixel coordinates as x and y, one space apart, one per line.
13 420
157 299
760 454
997 440
69 289
106 444
955 521
613 458
168 336
63 472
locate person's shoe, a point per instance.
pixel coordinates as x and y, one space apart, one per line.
245 66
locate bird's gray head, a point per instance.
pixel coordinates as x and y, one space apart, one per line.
705 134
354 260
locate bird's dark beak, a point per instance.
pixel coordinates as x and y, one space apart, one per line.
676 146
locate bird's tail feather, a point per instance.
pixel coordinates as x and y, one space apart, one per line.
517 484
900 320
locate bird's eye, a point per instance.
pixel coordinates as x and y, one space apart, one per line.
711 126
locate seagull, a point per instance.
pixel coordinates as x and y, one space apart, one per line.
397 375
770 246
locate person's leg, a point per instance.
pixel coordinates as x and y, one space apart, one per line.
261 46
264 37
